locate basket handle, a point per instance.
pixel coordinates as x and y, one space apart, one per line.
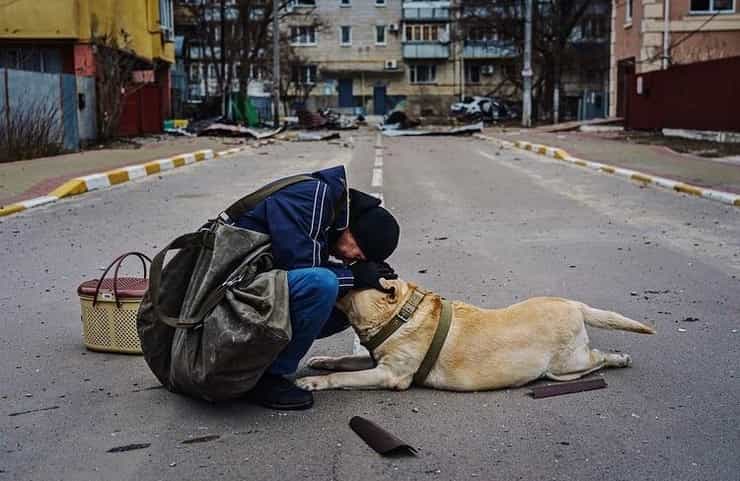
117 262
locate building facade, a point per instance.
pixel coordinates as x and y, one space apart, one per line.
652 35
58 36
369 55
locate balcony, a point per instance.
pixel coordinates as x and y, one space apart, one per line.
426 11
423 50
487 50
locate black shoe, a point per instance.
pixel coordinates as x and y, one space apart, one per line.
276 392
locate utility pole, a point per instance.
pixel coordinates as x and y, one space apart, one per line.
527 70
275 64
222 58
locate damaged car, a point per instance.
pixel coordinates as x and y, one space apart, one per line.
481 108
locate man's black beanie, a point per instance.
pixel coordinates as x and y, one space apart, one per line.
374 228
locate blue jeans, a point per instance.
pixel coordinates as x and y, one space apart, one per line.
313 293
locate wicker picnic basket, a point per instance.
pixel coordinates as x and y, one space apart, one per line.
109 308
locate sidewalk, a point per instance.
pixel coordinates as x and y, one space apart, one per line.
652 159
27 179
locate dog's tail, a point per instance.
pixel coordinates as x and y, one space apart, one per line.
612 320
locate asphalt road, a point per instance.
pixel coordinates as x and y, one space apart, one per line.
484 225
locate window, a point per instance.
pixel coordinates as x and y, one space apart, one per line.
195 72
628 12
593 28
345 3
423 33
303 35
422 74
166 21
380 35
712 6
380 3
304 74
472 73
345 35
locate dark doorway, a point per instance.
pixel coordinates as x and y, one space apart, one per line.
345 93
625 76
379 100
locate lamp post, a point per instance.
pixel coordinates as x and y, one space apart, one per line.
527 70
275 64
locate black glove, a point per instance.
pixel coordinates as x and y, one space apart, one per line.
367 275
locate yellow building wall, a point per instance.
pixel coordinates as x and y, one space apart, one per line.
79 19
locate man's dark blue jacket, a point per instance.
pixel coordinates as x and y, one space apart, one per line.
303 219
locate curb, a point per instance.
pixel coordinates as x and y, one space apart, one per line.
641 177
87 183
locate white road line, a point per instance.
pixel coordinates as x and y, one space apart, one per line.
377 177
487 155
378 161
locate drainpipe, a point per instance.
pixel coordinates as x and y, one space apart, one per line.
666 32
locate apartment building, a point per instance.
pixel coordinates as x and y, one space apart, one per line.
368 55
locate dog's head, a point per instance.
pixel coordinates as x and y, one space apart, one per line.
369 309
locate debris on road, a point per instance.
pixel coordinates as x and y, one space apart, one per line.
202 439
549 390
379 439
19 413
326 119
394 131
129 447
681 329
398 119
314 136
690 319
233 130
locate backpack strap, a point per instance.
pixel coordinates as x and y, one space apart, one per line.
248 202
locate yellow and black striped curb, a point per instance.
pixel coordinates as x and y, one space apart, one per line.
87 183
643 178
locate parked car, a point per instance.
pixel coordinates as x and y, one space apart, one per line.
481 108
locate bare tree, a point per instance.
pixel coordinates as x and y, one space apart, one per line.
235 37
31 129
554 50
114 67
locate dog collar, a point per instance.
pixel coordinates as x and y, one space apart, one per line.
407 310
438 340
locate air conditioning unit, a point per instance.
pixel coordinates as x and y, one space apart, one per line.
391 64
487 70
393 27
167 34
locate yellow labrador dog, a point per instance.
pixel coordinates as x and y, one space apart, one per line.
484 349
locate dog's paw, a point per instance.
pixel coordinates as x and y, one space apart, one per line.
321 362
312 383
627 360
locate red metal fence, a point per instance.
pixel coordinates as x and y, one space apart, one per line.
697 96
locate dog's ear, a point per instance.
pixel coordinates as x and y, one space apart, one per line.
393 286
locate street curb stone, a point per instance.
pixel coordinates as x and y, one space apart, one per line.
641 177
87 183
